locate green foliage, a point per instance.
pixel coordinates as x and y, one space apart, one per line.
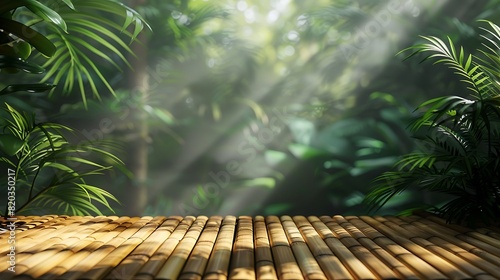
51 175
459 138
45 166
80 33
335 161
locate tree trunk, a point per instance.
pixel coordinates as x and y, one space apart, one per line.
137 162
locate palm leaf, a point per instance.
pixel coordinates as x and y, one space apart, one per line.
386 186
43 149
75 199
90 33
474 77
45 13
28 34
461 136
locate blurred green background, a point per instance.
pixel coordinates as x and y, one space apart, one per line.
267 106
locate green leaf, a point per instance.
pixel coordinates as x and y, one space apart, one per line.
45 13
274 158
114 7
26 87
60 167
28 34
69 4
266 182
10 144
306 152
19 63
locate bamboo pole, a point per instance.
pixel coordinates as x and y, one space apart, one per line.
131 264
174 232
365 236
198 259
414 262
478 257
284 260
436 260
460 263
173 267
128 258
305 259
218 263
81 249
370 261
350 247
336 250
263 256
481 245
93 256
242 260
41 252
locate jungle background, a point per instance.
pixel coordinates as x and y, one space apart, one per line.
264 106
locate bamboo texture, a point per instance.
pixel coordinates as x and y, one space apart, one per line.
272 247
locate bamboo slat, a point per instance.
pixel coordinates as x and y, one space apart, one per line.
334 246
425 270
123 250
365 235
37 225
157 261
242 259
326 247
263 257
42 235
467 238
61 251
130 266
489 232
93 258
460 263
305 259
371 262
218 264
173 267
436 260
284 260
198 260
479 258
47 247
78 251
469 244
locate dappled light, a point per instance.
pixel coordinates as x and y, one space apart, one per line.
242 107
249 139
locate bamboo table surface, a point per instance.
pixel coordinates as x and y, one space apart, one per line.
272 247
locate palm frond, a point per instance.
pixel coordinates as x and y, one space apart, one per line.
28 34
72 199
90 34
460 137
52 171
472 75
441 110
491 60
386 186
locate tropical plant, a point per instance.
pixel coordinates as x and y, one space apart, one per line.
43 164
80 32
41 158
459 137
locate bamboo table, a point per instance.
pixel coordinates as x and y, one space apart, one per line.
338 247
